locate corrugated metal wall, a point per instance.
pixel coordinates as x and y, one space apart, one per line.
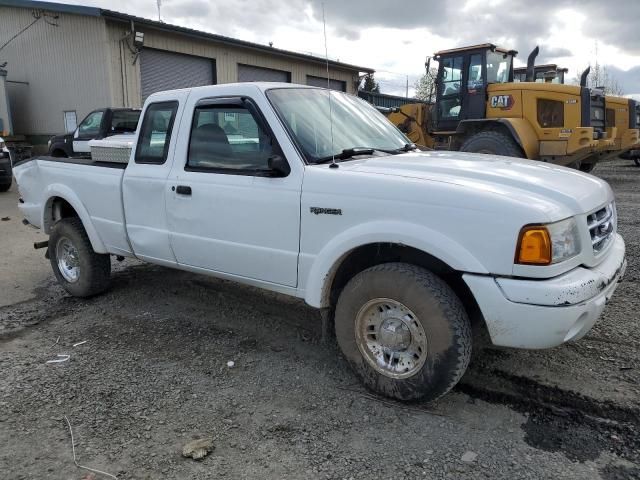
83 64
126 88
58 68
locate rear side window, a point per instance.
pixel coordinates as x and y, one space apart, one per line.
155 134
124 121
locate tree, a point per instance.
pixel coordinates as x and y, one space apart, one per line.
370 84
426 86
599 77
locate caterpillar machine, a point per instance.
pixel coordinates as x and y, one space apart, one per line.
619 112
549 73
479 107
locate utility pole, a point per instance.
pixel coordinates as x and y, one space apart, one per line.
159 5
407 95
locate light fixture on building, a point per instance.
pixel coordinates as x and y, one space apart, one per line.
138 39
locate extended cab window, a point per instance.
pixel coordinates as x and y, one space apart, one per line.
227 138
155 133
90 126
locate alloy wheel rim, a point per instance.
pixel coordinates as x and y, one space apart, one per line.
391 338
68 260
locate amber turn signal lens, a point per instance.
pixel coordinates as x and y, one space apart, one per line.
534 246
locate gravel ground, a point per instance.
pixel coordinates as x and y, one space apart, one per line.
153 375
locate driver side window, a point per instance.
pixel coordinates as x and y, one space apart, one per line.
90 126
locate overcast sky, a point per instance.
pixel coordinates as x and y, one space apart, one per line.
394 37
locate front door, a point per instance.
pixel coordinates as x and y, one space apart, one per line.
88 129
226 212
449 93
474 101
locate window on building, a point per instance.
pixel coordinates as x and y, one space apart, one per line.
228 138
155 133
70 121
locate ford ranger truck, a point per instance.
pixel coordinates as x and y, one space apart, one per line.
313 193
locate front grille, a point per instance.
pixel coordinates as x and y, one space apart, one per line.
601 227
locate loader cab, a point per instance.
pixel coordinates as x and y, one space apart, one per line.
463 77
548 73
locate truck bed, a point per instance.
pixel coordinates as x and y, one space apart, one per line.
93 188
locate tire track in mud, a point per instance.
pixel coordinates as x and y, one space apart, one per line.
563 421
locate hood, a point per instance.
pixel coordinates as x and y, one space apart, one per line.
501 175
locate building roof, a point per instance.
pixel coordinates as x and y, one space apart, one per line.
118 16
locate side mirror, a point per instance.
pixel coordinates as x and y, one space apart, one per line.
76 133
278 166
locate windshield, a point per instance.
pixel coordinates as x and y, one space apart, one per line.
305 112
498 67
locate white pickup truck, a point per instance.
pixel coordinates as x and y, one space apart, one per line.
316 195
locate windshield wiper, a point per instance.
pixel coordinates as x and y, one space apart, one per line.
355 151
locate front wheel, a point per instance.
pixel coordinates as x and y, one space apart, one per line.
492 142
81 271
404 331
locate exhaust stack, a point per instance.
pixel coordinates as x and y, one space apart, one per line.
584 76
531 63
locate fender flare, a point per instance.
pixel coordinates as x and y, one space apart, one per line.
326 262
521 131
57 190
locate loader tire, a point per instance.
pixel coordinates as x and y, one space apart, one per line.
404 331
81 271
494 143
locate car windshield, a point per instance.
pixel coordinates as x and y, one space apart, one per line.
354 123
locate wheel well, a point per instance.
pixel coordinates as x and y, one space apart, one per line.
57 208
366 256
59 153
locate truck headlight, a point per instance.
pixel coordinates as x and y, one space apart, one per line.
547 244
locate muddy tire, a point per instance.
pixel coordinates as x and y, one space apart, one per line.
81 271
586 167
404 331
492 142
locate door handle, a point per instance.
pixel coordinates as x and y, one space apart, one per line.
183 190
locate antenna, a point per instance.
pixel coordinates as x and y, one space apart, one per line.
159 2
326 57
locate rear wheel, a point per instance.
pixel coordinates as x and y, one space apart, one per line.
5 186
403 331
492 142
81 271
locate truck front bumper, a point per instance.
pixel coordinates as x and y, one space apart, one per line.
546 313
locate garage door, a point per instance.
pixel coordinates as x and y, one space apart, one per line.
322 82
160 70
249 73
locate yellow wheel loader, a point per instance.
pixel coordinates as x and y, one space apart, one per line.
480 108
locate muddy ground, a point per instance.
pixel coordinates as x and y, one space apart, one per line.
153 375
